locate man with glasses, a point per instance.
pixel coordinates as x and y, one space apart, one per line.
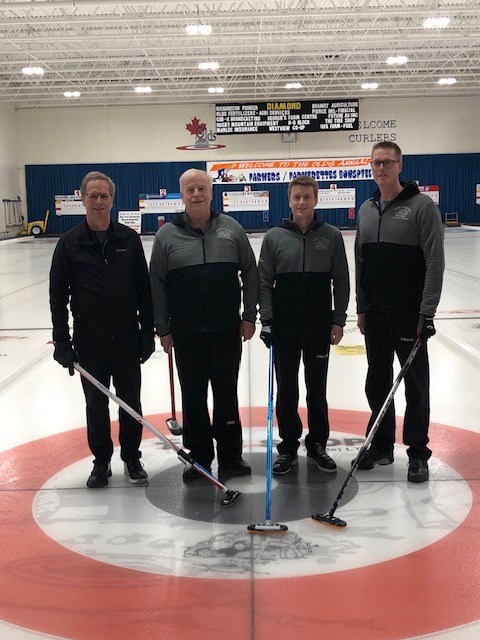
99 269
399 259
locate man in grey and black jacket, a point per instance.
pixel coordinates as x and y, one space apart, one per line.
194 270
299 262
399 258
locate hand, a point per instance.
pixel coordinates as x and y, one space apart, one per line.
65 355
336 334
425 328
361 323
266 334
167 342
147 345
247 329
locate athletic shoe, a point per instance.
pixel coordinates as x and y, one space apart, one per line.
135 471
235 468
284 463
191 475
321 458
418 470
101 472
373 456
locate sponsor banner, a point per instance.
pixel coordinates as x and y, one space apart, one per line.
161 202
286 116
265 171
245 201
132 219
69 206
432 190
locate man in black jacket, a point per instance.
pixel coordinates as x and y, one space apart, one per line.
302 267
99 268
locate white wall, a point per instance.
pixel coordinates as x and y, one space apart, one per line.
153 134
10 183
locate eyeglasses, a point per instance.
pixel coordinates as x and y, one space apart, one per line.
386 163
95 196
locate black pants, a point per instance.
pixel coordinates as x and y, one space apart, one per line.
117 359
214 358
315 350
385 336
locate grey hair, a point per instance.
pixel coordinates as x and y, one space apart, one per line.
184 175
97 175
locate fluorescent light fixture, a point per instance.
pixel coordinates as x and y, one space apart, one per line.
199 29
33 71
208 66
370 85
216 89
293 85
396 60
436 23
72 94
143 89
447 81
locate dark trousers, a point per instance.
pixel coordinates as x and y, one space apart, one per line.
108 359
385 336
315 351
202 359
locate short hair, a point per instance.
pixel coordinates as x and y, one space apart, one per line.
97 175
304 181
184 175
389 145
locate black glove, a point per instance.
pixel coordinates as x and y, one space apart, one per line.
147 345
65 355
266 334
425 328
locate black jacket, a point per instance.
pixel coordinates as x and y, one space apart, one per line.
108 288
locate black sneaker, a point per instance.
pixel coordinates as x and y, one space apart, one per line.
101 472
135 471
418 470
191 475
373 456
284 463
321 458
235 468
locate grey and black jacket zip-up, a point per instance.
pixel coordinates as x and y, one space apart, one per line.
399 254
108 289
296 271
195 277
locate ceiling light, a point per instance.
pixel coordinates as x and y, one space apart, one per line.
199 29
143 89
216 89
33 71
293 85
436 23
72 94
396 60
370 85
447 81
212 66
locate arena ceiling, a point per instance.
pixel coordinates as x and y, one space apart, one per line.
105 48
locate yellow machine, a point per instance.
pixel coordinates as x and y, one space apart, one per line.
37 227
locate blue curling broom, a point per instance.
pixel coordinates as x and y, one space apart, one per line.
268 526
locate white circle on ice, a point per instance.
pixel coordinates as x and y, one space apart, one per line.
388 518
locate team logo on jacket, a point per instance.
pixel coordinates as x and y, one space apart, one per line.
401 213
322 244
224 233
